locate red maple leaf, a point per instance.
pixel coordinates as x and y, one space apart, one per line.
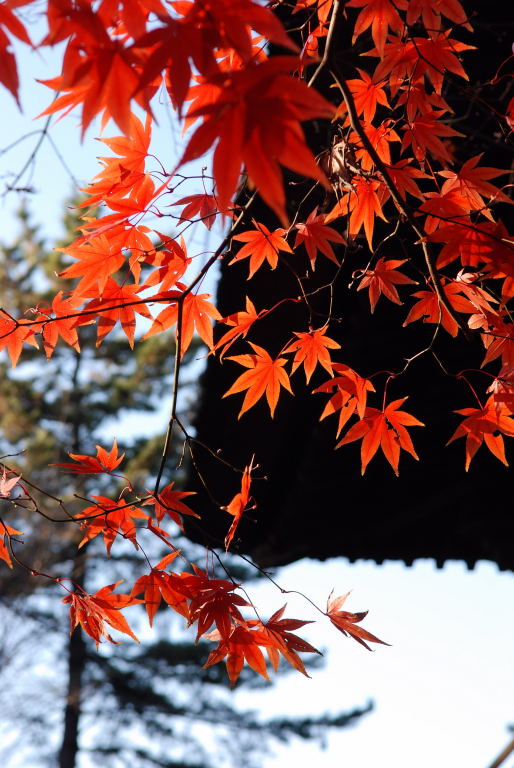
431 14
382 280
424 133
255 120
484 424
346 622
202 205
101 76
475 244
386 429
11 23
429 308
413 57
93 612
159 585
240 646
276 636
380 137
205 28
213 602
350 394
471 182
316 236
367 94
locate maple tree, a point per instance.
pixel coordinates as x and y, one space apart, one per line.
391 170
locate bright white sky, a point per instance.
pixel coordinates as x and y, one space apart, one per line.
444 691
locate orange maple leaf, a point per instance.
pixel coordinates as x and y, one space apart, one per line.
61 324
350 396
110 518
367 93
265 376
498 339
276 636
380 137
503 388
196 312
121 174
97 259
241 322
239 503
14 334
471 182
346 622
171 263
312 349
6 532
169 502
382 279
361 205
261 244
114 306
484 424
429 308
385 429
88 465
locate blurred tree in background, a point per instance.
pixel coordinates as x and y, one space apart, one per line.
145 705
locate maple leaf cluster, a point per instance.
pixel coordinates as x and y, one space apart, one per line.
203 600
393 162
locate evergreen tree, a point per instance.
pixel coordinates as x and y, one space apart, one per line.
149 704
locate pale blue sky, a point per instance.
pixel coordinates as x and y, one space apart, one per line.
444 690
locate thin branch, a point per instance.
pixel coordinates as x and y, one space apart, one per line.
391 186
